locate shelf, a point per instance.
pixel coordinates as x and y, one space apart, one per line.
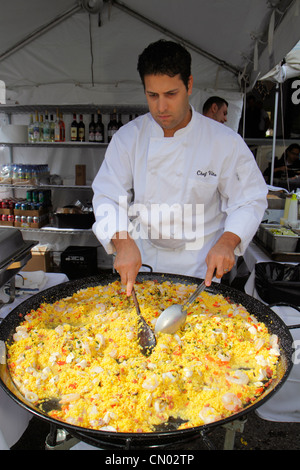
49 229
269 141
44 186
55 144
74 108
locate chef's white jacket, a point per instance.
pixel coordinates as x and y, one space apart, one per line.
177 195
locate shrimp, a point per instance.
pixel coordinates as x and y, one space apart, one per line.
208 415
151 383
21 333
59 330
108 429
100 340
160 405
239 377
231 401
71 397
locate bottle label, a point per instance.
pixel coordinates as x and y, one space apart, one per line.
73 133
81 134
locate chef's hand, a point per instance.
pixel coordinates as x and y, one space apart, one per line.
128 259
221 256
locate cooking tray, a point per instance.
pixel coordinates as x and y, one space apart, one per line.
14 253
166 433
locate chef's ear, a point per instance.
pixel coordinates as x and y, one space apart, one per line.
190 84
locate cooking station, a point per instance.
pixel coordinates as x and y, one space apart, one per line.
66 436
14 254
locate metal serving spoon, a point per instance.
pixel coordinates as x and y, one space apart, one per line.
173 317
146 336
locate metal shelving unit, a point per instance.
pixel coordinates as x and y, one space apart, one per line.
55 144
70 109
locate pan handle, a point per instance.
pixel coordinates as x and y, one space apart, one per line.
283 304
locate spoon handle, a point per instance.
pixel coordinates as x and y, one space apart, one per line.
195 294
136 302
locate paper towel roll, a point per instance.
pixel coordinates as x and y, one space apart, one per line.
12 133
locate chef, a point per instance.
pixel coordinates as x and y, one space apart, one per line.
177 191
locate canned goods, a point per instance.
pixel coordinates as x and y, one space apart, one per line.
4 217
24 206
29 219
24 221
10 218
35 196
17 218
29 196
36 220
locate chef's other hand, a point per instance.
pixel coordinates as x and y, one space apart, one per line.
128 259
221 256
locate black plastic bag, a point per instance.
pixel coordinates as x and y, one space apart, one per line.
277 282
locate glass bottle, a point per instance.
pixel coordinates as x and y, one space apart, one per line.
57 128
99 129
30 129
36 128
46 129
120 123
112 126
52 129
74 129
41 128
62 129
81 129
92 129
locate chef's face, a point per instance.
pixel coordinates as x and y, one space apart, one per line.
168 101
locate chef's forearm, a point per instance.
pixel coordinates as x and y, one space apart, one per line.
230 239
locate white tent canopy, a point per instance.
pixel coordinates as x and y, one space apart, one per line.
85 51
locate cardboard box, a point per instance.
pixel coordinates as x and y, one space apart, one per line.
40 261
80 175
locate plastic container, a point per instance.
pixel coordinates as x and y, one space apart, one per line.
293 210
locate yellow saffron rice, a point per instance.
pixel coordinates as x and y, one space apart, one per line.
84 350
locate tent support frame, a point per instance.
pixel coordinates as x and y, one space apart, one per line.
175 37
39 32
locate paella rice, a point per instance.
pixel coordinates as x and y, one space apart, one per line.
84 350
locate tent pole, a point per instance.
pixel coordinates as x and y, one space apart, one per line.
39 32
175 37
274 133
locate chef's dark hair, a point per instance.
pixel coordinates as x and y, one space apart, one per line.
165 58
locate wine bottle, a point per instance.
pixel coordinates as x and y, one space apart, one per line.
81 129
52 129
30 129
41 126
99 129
62 129
46 129
92 129
57 128
74 129
112 126
120 124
